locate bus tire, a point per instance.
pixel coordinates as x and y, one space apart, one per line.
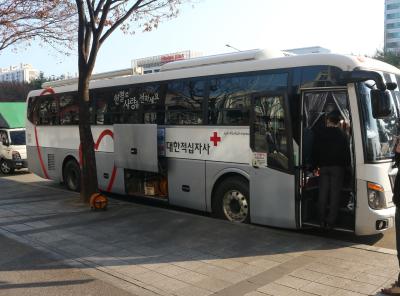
72 176
5 168
231 200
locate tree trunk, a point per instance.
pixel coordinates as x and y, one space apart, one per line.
89 184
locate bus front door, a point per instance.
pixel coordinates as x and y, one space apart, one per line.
316 103
272 184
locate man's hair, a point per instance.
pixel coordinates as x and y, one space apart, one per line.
334 116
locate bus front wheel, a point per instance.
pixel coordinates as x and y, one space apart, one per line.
231 200
72 176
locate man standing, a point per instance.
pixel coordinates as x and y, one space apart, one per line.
331 153
395 289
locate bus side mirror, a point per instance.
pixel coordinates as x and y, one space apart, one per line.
391 85
381 103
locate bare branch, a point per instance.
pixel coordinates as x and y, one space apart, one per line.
98 8
92 18
52 20
120 21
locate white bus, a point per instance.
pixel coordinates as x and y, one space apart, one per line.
229 134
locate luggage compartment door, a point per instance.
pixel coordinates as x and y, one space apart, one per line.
136 147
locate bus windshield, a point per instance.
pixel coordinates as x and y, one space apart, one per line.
378 134
17 137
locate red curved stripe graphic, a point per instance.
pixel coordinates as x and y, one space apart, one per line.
104 133
40 156
45 91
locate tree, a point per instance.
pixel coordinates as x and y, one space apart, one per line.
22 21
97 20
388 57
37 83
14 91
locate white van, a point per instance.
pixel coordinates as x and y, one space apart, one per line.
12 150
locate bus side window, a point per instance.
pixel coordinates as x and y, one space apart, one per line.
101 112
150 104
69 110
48 111
184 101
228 102
270 134
33 110
229 99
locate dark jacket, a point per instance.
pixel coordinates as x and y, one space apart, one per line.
331 148
396 187
396 191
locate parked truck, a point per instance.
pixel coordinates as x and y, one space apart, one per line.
12 137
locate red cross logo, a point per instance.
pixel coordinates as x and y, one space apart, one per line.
215 139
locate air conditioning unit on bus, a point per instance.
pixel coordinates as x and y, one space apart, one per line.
99 76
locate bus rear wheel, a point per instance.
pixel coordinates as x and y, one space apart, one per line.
72 176
231 200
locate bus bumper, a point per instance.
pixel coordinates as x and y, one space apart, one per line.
378 221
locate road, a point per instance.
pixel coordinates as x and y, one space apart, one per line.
385 240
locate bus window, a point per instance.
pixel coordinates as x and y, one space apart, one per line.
270 134
48 111
184 102
108 110
100 110
228 102
151 103
69 110
229 99
33 110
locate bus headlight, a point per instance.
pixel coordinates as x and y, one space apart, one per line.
376 196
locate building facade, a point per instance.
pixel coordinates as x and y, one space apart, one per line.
22 73
392 26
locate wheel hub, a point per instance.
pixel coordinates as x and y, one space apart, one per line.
4 167
235 206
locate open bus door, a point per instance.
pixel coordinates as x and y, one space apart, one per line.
272 184
316 103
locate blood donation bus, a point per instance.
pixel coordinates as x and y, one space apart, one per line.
230 134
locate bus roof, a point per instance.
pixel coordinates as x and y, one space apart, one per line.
236 62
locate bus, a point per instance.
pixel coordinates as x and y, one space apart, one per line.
230 135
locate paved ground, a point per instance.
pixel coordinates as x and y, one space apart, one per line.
25 270
152 251
386 239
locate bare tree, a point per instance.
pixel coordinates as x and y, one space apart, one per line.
97 20
51 21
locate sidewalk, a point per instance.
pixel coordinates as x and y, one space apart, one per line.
152 251
28 271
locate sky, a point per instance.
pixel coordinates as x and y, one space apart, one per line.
343 26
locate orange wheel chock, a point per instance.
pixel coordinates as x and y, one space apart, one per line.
98 202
